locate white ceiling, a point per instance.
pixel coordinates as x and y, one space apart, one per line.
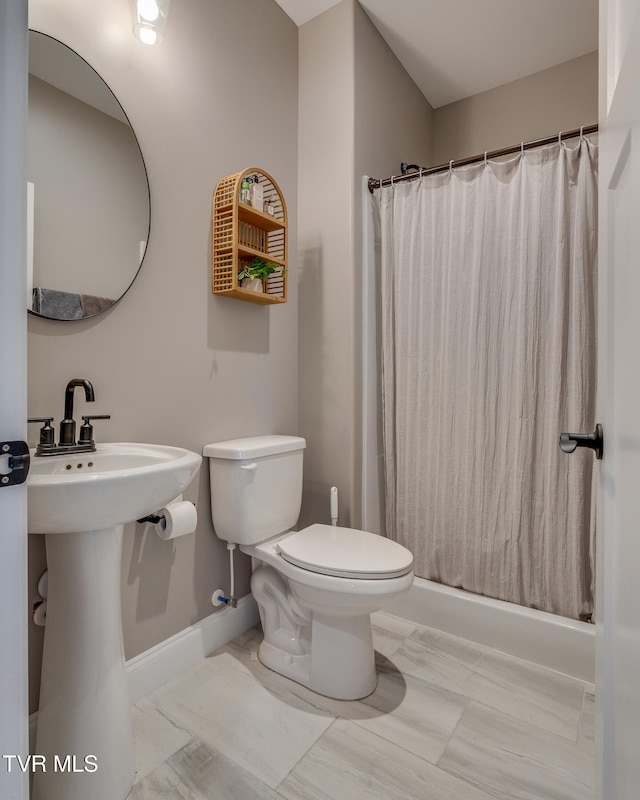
456 48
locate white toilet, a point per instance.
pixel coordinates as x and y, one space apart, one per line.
315 588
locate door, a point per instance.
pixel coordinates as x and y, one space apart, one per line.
14 783
618 587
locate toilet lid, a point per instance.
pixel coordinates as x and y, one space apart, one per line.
345 553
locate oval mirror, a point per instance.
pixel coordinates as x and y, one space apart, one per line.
89 203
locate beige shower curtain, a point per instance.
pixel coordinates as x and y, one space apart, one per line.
488 281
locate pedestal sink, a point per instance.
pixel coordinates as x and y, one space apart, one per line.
81 503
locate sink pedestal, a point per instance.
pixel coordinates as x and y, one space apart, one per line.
80 502
84 726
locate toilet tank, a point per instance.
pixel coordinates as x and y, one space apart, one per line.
256 486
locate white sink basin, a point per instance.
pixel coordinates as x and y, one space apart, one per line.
118 483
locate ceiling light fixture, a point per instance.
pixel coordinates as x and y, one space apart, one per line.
149 18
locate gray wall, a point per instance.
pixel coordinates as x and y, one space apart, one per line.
359 113
171 362
561 98
393 123
325 256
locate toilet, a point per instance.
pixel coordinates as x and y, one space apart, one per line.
315 588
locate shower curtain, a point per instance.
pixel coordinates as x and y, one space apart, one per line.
488 282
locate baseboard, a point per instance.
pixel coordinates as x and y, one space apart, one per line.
558 643
169 659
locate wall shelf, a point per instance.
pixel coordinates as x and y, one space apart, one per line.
242 233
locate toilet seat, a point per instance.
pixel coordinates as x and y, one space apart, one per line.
345 553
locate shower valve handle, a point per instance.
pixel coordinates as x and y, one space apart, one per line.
595 441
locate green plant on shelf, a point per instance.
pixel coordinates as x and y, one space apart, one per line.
254 274
259 269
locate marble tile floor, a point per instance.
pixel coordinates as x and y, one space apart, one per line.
449 720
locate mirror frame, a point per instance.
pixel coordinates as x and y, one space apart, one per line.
146 174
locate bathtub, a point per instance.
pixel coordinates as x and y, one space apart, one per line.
558 643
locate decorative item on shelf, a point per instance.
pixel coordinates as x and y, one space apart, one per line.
245 191
250 238
257 194
256 274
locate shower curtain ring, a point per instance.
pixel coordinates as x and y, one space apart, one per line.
560 138
451 166
521 148
581 129
485 158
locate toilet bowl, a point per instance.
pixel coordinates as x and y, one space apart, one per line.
317 628
315 588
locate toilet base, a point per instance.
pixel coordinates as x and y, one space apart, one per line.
341 663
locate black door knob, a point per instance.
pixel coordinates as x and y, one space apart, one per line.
595 441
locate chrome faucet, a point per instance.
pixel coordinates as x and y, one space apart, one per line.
68 444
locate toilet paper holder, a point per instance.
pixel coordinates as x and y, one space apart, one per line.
154 519
176 519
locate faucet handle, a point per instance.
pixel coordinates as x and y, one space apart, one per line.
47 434
86 429
46 420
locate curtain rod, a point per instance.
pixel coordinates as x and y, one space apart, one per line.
376 183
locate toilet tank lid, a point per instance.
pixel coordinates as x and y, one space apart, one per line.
253 447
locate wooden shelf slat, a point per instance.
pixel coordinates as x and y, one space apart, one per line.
262 298
250 252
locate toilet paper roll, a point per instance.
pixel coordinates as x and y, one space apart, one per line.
178 519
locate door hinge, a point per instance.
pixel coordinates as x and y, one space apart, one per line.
14 463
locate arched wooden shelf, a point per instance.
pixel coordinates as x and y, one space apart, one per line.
242 233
